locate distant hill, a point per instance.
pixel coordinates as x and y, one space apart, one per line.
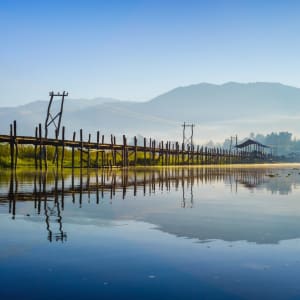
217 110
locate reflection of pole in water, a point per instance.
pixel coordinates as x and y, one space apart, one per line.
189 184
72 186
11 195
80 187
88 185
135 185
97 185
54 211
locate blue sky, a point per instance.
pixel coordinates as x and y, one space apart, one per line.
138 49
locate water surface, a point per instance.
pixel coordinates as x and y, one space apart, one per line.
178 233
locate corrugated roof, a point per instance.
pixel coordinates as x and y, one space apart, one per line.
251 142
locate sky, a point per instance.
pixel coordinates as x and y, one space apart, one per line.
138 49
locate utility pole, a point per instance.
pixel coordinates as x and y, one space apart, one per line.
188 139
54 119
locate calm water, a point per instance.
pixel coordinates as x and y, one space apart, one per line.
163 234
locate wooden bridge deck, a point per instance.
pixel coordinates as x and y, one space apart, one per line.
151 153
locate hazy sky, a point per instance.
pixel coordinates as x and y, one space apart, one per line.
137 49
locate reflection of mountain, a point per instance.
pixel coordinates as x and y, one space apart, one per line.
216 201
257 228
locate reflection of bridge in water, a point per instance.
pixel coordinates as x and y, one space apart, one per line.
49 190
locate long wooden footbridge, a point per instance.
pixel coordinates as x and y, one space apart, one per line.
100 154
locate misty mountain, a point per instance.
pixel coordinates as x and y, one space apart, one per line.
218 111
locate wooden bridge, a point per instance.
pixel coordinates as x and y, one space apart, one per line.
99 154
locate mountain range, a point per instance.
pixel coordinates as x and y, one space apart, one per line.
218 111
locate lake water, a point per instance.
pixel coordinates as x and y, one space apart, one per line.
178 233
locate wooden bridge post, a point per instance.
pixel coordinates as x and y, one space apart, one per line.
145 145
115 151
56 148
89 152
63 147
111 150
12 148
135 150
177 153
41 150
201 154
35 148
97 153
166 153
73 150
162 152
16 144
222 156
173 154
169 153
124 163
153 152
81 148
102 152
150 152
126 153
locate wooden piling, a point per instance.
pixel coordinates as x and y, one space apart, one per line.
89 152
153 152
97 153
115 152
102 153
135 150
73 150
63 147
16 144
12 148
145 152
81 149
41 150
